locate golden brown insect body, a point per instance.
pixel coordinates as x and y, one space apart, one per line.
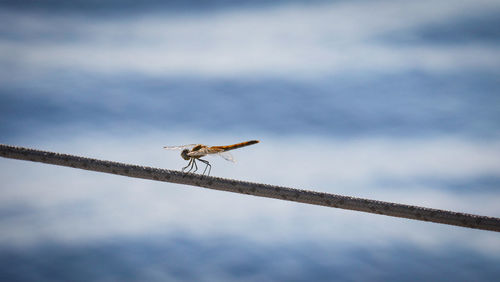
194 152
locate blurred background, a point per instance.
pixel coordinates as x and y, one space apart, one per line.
389 100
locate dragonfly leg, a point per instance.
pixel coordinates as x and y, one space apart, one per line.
196 166
191 160
208 166
193 163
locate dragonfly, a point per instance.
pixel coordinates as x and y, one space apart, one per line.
194 152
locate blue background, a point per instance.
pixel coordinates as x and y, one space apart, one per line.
395 101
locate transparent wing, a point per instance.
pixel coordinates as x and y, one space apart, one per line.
182 147
227 156
203 151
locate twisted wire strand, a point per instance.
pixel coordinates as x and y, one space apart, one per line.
256 189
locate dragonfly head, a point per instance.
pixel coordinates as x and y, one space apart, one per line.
184 154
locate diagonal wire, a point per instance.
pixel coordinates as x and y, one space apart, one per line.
256 189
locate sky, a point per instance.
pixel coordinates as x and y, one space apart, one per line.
388 100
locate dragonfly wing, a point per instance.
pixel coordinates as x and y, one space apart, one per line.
197 154
227 156
189 147
203 151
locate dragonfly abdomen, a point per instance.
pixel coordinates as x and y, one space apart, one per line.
236 146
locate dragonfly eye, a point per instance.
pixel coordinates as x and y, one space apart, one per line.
184 154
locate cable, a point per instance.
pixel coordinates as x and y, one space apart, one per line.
256 189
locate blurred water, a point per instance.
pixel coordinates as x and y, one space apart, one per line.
215 259
393 101
409 104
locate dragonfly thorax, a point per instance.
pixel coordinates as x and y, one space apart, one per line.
184 154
